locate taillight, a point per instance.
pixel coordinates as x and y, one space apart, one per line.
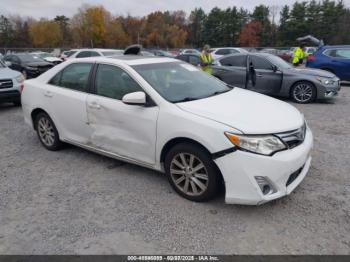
311 58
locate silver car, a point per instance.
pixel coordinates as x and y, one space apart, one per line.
11 83
271 75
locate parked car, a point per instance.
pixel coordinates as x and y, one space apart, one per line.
65 54
335 59
222 51
167 115
189 51
11 83
271 75
30 66
271 51
163 53
93 52
48 57
193 59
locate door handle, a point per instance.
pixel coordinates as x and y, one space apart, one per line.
259 75
94 105
48 94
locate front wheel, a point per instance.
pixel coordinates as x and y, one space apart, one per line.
303 92
47 132
191 172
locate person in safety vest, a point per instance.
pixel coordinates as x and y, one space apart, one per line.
206 60
299 55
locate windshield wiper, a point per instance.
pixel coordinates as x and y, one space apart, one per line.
186 99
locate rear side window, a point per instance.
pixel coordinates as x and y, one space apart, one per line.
239 61
113 82
223 52
339 53
83 54
260 63
74 76
343 53
93 53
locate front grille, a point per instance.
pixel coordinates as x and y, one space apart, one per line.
293 138
6 83
294 176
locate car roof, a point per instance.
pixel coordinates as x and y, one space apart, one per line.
131 59
335 46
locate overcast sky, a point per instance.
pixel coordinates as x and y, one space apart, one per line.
51 8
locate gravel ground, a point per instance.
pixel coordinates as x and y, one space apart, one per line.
77 202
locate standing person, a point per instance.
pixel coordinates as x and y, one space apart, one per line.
206 60
299 55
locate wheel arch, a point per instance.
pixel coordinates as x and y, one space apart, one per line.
34 114
174 141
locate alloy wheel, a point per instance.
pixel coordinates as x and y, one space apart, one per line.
46 131
189 174
303 92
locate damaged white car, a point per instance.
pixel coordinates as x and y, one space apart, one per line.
167 115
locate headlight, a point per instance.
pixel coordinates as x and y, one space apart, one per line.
325 80
20 78
264 145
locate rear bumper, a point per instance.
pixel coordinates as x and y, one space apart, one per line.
284 171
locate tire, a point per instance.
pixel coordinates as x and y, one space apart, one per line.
303 92
47 132
200 185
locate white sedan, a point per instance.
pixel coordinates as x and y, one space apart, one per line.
167 115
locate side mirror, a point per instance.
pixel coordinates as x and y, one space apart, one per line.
8 63
274 68
135 98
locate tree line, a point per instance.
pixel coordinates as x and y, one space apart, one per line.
94 26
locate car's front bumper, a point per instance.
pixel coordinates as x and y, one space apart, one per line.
326 92
239 170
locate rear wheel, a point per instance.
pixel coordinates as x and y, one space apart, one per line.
191 172
47 132
303 92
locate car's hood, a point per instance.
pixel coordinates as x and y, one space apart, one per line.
312 72
247 111
52 59
6 73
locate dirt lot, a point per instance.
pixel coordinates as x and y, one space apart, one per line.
74 201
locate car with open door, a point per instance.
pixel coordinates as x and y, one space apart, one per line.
271 75
167 115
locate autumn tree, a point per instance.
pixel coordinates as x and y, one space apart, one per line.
45 33
250 34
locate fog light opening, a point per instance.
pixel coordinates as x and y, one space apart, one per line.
265 185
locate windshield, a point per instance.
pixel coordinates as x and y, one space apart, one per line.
180 82
43 55
279 62
29 58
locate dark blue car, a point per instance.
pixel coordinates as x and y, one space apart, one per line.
335 59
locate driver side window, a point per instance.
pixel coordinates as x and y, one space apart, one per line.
113 82
260 63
